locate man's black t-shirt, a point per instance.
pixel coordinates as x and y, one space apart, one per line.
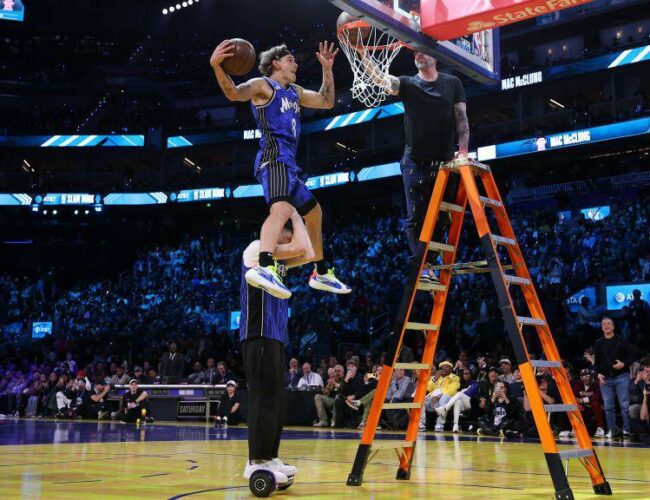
227 402
429 115
129 399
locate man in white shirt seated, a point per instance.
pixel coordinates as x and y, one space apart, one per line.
309 378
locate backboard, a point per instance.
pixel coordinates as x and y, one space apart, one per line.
475 55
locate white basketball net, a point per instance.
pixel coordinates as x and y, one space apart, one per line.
370 58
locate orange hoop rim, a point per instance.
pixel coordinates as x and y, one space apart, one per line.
362 24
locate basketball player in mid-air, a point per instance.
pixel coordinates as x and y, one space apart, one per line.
264 334
434 107
276 102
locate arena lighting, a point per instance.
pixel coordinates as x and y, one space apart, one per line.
86 212
558 104
174 8
54 212
76 212
44 212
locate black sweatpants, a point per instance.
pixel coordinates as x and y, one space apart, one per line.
264 361
419 177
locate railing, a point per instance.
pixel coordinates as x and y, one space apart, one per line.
548 191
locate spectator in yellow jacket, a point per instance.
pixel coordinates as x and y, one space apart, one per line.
440 389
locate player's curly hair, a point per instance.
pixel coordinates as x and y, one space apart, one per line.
268 56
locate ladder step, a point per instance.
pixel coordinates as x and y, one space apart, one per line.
577 453
402 406
516 279
379 444
541 363
490 202
450 207
560 408
530 321
441 247
477 167
436 287
411 366
421 326
501 240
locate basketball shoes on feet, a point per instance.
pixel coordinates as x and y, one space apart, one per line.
328 283
268 279
286 469
269 465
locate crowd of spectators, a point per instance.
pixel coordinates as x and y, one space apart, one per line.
166 319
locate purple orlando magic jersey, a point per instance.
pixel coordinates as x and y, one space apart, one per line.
279 122
262 315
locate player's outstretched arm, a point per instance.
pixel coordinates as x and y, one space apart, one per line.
373 71
324 98
255 87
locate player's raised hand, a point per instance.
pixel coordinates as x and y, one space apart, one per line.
224 50
326 54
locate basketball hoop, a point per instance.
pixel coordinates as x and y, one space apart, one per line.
370 52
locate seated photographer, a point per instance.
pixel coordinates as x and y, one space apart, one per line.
501 414
99 408
351 389
309 379
229 406
134 404
325 402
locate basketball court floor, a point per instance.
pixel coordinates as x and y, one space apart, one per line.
94 460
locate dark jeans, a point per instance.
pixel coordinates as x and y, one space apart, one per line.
616 388
264 366
419 177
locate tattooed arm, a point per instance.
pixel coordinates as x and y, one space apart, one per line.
462 127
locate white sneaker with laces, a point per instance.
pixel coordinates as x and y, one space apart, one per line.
286 469
422 428
608 435
328 282
567 434
442 411
456 429
600 433
439 428
280 477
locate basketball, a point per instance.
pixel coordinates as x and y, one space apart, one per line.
243 59
353 33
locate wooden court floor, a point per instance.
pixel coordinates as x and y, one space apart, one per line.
78 460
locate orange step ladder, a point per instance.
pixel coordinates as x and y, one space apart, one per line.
468 193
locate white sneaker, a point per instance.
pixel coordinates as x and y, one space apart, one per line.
280 477
328 283
439 428
422 428
268 279
456 429
608 435
286 469
225 421
442 411
600 433
567 434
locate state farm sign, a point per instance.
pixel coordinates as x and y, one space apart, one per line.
449 19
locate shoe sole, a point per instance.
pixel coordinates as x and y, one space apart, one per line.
277 292
324 288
